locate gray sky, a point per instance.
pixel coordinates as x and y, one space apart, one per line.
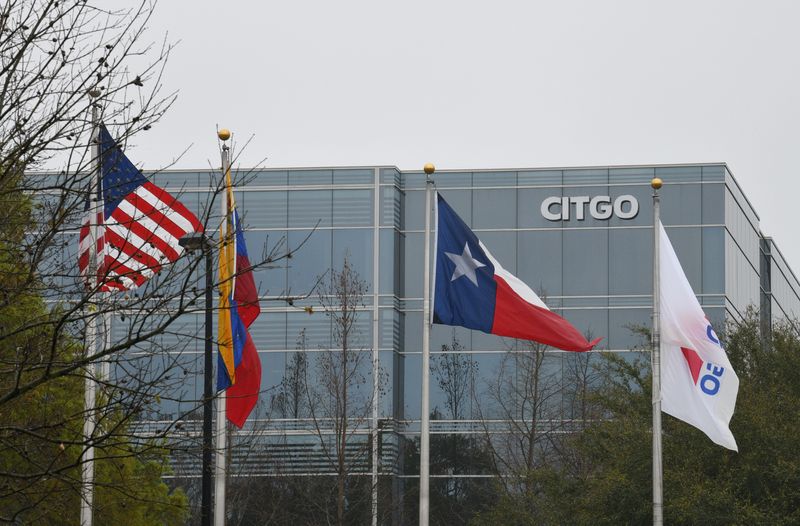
491 84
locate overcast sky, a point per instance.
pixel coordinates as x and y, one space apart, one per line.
491 84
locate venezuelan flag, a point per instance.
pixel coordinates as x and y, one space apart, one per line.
239 367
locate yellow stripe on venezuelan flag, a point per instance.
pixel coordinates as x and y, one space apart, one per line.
227 273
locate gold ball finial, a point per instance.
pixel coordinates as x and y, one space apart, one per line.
429 168
224 134
656 183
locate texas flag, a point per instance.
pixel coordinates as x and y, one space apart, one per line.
698 384
473 290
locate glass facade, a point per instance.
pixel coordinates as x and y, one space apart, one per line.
588 254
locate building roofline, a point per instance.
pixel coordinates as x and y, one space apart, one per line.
438 170
774 246
575 167
741 190
453 170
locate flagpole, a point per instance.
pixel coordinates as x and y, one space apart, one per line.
658 483
376 240
425 437
90 390
222 424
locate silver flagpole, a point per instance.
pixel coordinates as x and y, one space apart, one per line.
425 423
658 483
90 420
222 423
376 240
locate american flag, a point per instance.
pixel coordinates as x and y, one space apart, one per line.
138 225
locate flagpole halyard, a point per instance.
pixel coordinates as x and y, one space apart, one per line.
424 441
658 495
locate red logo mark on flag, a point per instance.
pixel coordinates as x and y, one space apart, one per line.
694 361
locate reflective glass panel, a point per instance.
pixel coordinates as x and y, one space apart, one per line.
352 208
494 209
308 208
355 245
585 262
311 260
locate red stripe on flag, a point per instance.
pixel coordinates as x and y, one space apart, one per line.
146 235
83 261
246 295
173 203
118 267
516 318
155 215
242 396
110 284
132 250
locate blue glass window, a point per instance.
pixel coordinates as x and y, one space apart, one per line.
414 210
503 178
713 196
681 204
713 257
540 264
317 329
413 266
356 245
584 176
585 262
352 208
452 179
390 269
269 178
688 247
264 209
623 325
270 278
631 261
310 177
308 208
311 260
540 177
494 209
354 176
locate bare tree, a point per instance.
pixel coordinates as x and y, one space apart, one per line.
290 400
52 53
455 373
340 395
539 399
525 397
458 454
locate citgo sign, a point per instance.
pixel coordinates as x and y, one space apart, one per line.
600 207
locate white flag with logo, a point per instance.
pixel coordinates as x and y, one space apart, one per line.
698 384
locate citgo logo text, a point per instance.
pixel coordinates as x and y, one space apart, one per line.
600 207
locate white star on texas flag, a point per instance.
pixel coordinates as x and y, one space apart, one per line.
465 265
